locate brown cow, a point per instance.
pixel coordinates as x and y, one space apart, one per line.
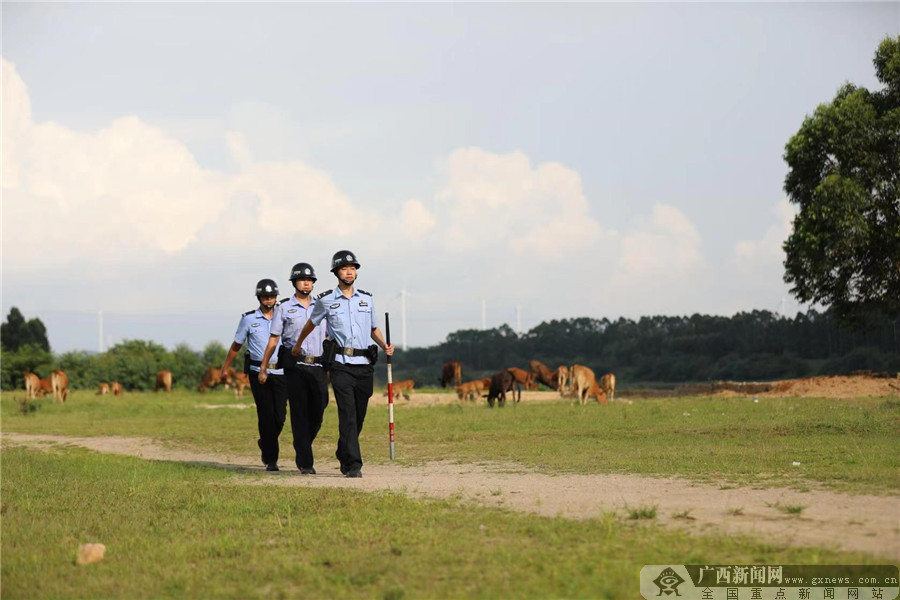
451 373
608 385
59 383
501 383
241 381
213 377
45 386
523 377
404 387
103 389
540 372
116 388
164 381
583 381
562 380
32 385
470 390
597 394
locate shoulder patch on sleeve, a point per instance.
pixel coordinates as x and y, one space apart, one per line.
364 292
323 294
283 300
249 312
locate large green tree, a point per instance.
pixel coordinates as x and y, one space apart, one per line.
844 174
16 332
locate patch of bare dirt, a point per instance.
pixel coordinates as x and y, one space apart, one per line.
861 523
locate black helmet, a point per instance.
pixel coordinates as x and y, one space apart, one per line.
342 259
302 271
266 287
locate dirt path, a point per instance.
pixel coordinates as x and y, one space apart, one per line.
869 524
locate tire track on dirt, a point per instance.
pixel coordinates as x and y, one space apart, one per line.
848 522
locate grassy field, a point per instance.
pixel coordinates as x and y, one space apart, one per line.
174 530
843 444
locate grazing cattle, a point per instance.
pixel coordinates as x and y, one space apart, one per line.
597 393
164 381
116 388
241 382
45 386
32 385
501 383
59 383
451 373
583 382
523 377
104 389
562 380
471 390
540 372
213 377
608 385
404 387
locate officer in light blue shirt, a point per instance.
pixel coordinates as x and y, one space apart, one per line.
266 381
351 325
307 382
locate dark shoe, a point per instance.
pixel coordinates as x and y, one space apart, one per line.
309 471
354 474
272 467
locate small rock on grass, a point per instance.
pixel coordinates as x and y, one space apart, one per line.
90 553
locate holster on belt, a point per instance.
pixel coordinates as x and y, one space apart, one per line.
329 350
247 362
372 354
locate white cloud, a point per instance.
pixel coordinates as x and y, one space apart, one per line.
501 201
237 148
416 221
129 190
769 247
665 245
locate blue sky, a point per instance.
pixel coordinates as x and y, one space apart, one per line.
540 160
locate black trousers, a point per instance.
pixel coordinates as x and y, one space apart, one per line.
352 385
307 390
271 410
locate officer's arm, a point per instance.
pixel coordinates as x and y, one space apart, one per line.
270 349
232 352
388 348
307 329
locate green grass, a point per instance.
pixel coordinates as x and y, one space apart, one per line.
176 531
849 445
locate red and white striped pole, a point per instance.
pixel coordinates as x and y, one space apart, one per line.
390 382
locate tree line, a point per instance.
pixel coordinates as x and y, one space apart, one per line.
748 346
133 363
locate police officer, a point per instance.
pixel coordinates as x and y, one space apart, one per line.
307 383
352 323
266 382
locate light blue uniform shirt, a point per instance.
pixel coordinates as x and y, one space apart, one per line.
289 320
254 331
350 321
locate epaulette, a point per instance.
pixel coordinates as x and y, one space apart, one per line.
364 292
283 300
249 312
323 294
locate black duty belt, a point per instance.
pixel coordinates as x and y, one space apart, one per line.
258 363
364 352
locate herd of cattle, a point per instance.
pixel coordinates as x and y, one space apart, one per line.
576 381
57 384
